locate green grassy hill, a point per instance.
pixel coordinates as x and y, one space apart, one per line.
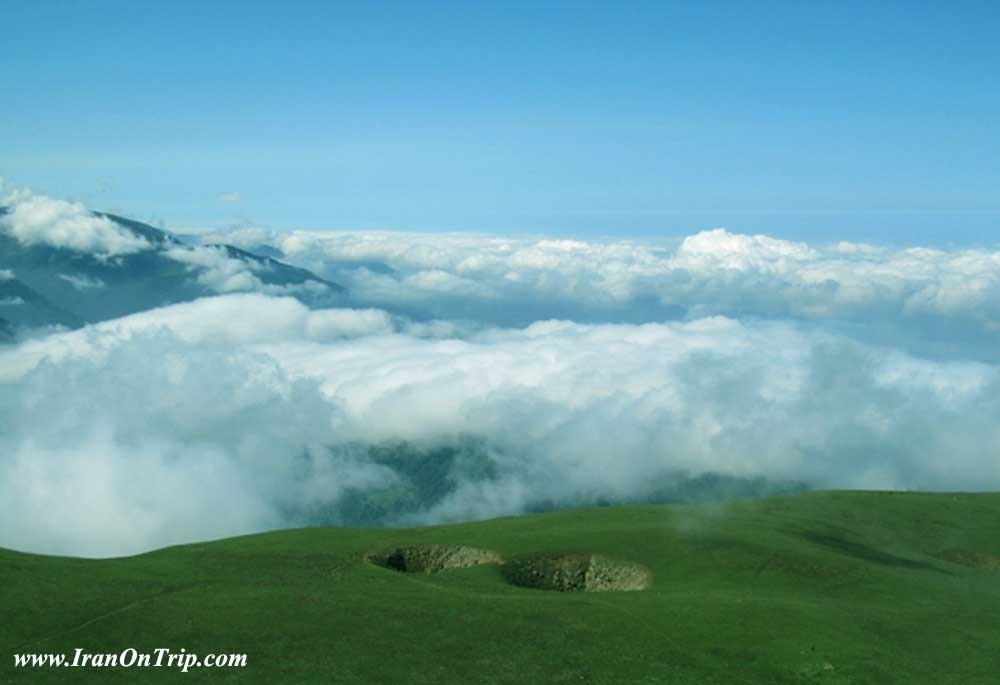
831 587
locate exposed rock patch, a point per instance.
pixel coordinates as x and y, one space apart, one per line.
577 573
970 559
433 558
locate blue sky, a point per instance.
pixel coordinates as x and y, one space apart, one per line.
817 121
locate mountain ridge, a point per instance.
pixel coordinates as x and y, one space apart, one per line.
51 284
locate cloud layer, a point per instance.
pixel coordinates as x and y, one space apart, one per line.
246 412
902 296
475 375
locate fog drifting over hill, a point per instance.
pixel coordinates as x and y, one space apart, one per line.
469 376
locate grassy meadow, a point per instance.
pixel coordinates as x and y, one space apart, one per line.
827 587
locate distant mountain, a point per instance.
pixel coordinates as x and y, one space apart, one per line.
47 285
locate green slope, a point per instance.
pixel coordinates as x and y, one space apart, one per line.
833 587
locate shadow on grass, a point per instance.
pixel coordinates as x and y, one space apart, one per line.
866 553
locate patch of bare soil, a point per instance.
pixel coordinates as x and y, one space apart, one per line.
433 558
577 573
970 559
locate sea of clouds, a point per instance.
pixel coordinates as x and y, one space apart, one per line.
582 371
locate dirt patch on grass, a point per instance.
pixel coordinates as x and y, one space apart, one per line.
433 558
577 573
970 559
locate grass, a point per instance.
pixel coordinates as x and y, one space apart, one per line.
826 587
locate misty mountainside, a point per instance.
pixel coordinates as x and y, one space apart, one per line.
25 306
422 478
58 282
6 331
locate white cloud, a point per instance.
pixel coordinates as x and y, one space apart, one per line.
39 220
233 320
800 278
82 282
217 270
6 275
228 198
220 273
719 249
11 301
238 413
846 247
